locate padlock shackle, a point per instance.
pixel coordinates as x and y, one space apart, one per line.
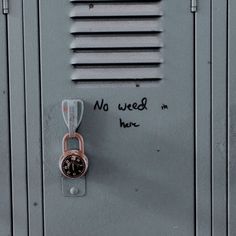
76 136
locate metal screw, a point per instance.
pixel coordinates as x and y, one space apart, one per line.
74 191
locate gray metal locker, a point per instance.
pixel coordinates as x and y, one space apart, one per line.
136 183
5 196
158 117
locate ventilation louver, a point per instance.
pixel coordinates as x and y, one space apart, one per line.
116 40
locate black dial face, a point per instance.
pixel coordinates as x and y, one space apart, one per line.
73 166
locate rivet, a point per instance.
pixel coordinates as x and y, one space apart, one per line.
74 191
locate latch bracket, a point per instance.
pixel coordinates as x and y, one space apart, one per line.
5 7
194 6
73 187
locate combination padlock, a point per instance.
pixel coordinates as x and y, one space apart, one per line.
73 163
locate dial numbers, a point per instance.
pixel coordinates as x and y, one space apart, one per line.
73 166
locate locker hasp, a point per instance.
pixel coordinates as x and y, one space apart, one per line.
72 111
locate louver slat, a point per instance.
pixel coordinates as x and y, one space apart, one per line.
118 9
115 25
116 40
116 58
116 73
126 1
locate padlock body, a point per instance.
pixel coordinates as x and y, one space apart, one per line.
73 164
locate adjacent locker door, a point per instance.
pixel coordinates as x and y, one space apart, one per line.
131 62
5 186
232 120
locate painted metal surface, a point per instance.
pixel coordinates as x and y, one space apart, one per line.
167 176
232 118
141 178
5 173
33 117
203 118
219 118
115 40
17 121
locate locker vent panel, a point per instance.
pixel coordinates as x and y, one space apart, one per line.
116 40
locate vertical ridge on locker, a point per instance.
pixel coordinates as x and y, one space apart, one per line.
116 40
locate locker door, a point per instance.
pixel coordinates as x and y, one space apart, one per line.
5 199
131 62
